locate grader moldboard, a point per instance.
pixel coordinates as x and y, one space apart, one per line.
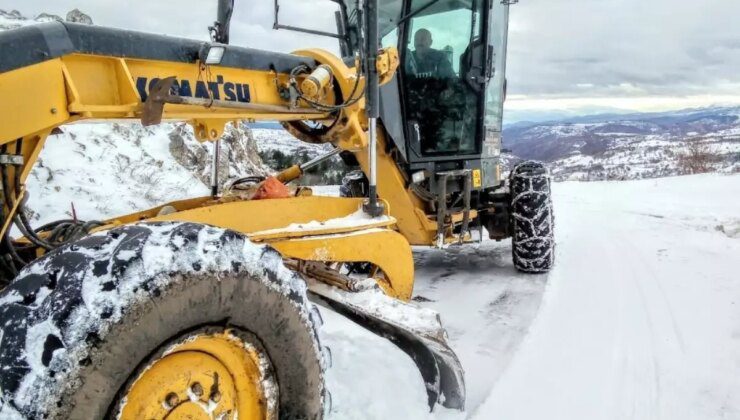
203 308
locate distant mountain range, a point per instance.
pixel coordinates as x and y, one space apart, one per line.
626 146
530 116
602 146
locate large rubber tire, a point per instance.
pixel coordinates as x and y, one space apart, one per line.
533 243
77 323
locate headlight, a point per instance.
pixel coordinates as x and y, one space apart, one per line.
212 53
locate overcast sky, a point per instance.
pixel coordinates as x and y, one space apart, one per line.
629 54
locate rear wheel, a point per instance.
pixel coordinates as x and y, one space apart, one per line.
532 222
158 320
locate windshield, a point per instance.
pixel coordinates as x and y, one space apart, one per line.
390 12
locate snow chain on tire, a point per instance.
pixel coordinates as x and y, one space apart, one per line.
533 245
77 323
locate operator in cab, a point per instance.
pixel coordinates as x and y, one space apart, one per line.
425 61
430 77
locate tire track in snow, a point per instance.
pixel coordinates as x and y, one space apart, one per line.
596 304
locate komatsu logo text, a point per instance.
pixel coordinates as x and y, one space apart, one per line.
219 89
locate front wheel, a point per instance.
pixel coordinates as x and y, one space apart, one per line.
532 221
169 320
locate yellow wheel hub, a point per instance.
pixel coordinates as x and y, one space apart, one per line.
205 376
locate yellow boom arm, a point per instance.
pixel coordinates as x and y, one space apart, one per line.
78 85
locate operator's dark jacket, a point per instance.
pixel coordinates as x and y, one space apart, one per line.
433 64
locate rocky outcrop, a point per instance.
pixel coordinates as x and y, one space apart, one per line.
238 156
14 19
11 15
47 17
76 16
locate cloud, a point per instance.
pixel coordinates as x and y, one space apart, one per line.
627 48
251 23
558 49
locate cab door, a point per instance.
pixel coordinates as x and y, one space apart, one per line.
443 76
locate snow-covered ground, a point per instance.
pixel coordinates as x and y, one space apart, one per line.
640 318
106 170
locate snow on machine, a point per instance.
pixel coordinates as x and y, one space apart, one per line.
205 307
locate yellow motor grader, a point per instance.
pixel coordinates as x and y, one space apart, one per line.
204 307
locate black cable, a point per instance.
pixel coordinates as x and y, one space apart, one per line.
12 251
21 222
67 231
6 184
252 180
12 254
324 107
64 231
61 232
17 184
4 265
23 225
9 200
423 193
52 225
7 266
350 101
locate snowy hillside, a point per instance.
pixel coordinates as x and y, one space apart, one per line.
106 170
638 319
279 149
110 169
630 146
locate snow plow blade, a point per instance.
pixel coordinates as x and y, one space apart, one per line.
416 331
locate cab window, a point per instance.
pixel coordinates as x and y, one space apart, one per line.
442 107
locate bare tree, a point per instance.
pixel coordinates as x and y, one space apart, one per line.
696 159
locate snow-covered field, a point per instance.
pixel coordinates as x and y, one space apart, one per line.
640 319
107 170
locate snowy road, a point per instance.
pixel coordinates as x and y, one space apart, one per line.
640 319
